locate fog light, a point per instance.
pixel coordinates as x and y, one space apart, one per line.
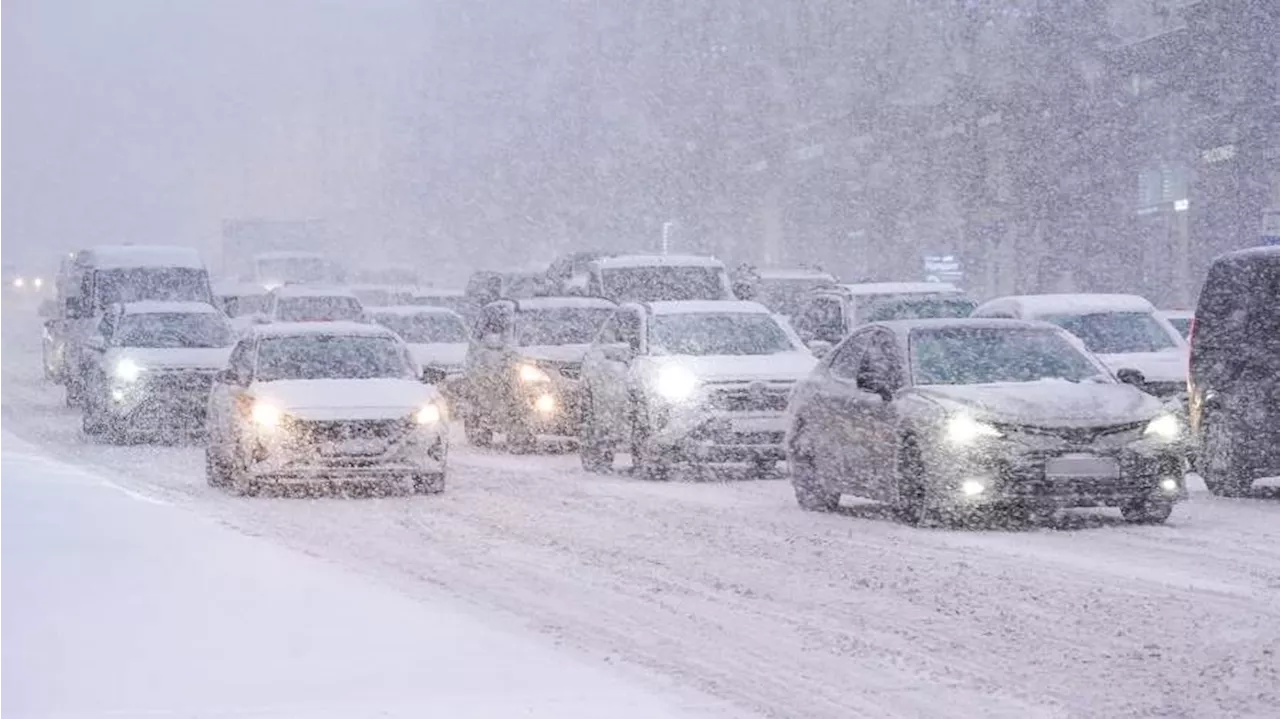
972 487
117 395
1169 484
546 404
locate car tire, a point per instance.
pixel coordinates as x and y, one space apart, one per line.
811 492
1146 511
91 420
72 395
216 471
912 507
479 434
595 453
1218 467
432 483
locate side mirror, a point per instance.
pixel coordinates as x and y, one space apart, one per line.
492 341
1132 376
619 352
876 384
820 348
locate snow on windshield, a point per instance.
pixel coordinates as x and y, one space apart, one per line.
663 283
151 283
733 333
914 308
982 355
318 356
559 326
319 309
1116 332
425 328
172 330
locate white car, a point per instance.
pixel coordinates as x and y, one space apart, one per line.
302 303
1125 331
437 337
833 311
383 295
694 381
647 278
302 402
150 366
1181 321
244 304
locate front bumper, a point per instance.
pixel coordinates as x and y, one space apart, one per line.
717 437
160 403
396 450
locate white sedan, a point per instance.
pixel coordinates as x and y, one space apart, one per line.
300 402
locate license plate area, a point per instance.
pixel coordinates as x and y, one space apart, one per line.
352 448
1082 466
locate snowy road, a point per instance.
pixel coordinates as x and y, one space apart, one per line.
728 590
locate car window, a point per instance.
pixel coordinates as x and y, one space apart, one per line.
174 330
718 333
880 360
912 308
324 356
609 333
424 328
846 358
241 360
319 308
559 325
822 319
1116 332
988 355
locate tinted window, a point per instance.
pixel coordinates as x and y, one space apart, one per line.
786 296
984 355
332 357
654 284
559 326
1240 303
176 284
847 358
717 334
1116 332
1181 324
425 328
318 309
163 329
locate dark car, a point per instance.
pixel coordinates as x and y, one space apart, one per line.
1234 382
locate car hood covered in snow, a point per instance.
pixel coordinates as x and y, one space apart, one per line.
1167 366
789 366
439 354
1047 403
555 353
176 358
332 399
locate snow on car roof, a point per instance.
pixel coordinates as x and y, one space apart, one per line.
901 288
312 291
687 307
432 292
628 261
410 311
288 255
120 256
939 323
148 307
548 303
1177 314
1039 305
795 273
295 329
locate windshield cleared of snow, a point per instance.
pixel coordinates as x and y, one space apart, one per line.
977 355
701 334
318 356
1116 332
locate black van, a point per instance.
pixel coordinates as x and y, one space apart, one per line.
1234 382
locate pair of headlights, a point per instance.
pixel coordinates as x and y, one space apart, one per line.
268 416
21 282
962 430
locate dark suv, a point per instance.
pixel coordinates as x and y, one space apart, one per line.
1234 380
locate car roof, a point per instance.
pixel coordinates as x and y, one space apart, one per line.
685 307
546 303
441 292
298 329
1072 303
148 307
626 261
1264 253
121 256
794 273
411 310
286 291
862 289
288 255
1177 314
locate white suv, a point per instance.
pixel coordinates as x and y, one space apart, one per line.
693 381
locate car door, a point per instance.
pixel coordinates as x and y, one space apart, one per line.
228 390
617 364
827 421
881 373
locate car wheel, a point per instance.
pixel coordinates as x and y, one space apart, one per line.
912 506
1218 466
646 462
1146 511
72 394
91 420
216 470
811 491
595 453
479 433
428 483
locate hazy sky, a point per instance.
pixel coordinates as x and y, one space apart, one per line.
148 120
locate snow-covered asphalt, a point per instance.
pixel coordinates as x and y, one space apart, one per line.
725 588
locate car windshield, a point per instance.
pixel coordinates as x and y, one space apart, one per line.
165 284
319 308
425 328
321 356
241 305
663 283
1116 332
914 308
278 271
705 333
786 296
986 355
1182 325
173 330
559 325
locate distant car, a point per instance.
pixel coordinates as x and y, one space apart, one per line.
383 295
653 278
150 367
437 337
305 402
1235 371
485 286
785 290
695 381
455 300
1181 321
1125 331
302 303
946 416
242 303
832 312
523 370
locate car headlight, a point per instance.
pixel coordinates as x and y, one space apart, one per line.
266 415
961 429
676 383
127 370
19 282
530 374
1166 428
429 414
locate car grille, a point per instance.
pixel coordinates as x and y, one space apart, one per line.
1027 477
1080 436
183 381
343 430
750 397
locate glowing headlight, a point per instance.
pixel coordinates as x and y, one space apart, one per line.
1166 427
546 404
962 429
127 370
19 282
530 374
429 414
676 383
266 415
37 282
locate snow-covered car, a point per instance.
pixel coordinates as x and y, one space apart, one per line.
1125 331
302 303
305 402
522 373
150 366
785 290
242 303
695 381
437 337
452 299
653 278
383 295
1181 321
948 416
833 311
